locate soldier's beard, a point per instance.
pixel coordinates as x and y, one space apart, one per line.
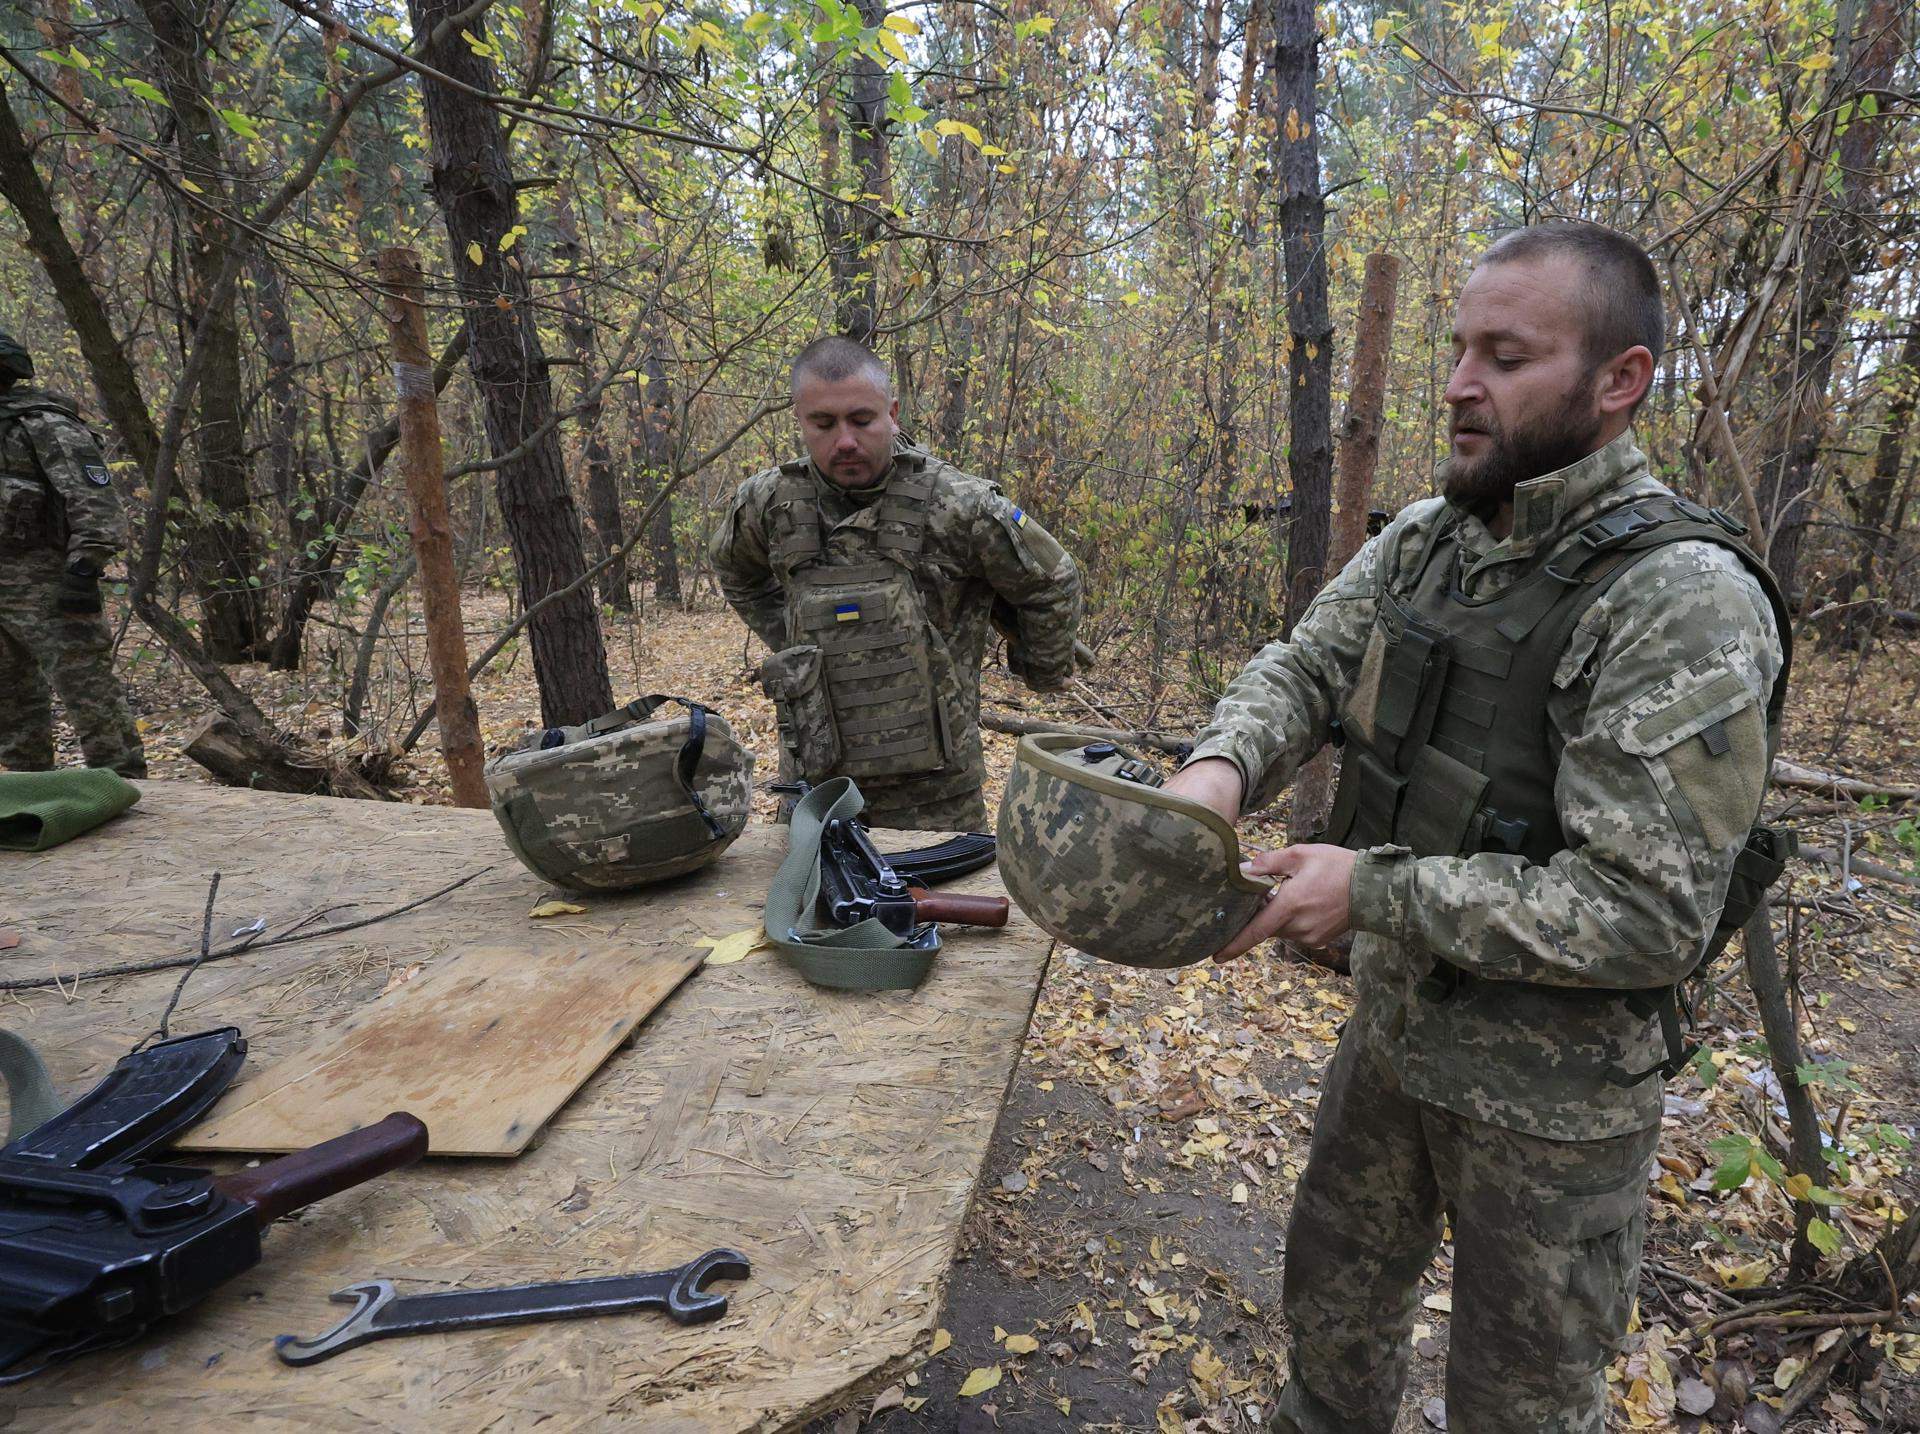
1531 451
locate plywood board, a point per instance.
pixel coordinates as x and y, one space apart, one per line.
834 1136
484 1048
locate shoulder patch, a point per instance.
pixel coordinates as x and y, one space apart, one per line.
96 474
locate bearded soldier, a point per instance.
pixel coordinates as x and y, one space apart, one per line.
1555 687
870 569
60 523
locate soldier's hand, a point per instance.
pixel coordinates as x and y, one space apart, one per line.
79 589
1310 904
1211 781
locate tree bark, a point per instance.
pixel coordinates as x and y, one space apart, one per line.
1839 245
422 458
652 421
1775 1003
1876 537
855 241
602 485
1359 456
220 537
1295 72
113 376
473 186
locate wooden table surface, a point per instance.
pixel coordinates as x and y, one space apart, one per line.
835 1138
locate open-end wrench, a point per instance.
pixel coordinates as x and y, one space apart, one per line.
381 1314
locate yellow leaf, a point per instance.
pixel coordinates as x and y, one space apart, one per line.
890 42
191 187
1003 168
998 1334
1130 298
1817 62
474 254
1064 1405
1848 1026
555 908
980 1381
1788 1371
990 150
900 23
928 142
1744 1277
1021 1344
959 127
1799 1185
941 1339
725 950
1382 29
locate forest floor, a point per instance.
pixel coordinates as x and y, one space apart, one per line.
1121 1266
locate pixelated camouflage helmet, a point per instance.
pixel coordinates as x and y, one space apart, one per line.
1099 856
625 799
16 364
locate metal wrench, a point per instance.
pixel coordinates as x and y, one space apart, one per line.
381 1314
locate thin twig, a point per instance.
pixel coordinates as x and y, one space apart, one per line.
206 946
173 963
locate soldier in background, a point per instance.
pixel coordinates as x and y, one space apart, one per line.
60 524
871 569
1556 685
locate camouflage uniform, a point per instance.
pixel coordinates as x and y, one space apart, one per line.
1497 1092
875 603
57 508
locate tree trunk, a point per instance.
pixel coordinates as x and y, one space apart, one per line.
113 376
1839 244
1359 455
1876 538
474 189
603 486
1303 215
421 457
856 245
653 461
287 475
221 538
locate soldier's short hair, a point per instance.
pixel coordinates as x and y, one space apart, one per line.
1621 295
835 358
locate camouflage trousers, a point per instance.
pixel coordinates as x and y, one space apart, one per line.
1546 1241
43 651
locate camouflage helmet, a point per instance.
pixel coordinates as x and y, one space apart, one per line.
626 799
16 364
1099 856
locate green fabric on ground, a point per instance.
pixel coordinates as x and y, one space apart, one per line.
42 809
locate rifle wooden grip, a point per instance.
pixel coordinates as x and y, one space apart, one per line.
282 1186
958 909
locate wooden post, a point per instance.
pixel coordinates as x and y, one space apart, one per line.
423 462
1359 456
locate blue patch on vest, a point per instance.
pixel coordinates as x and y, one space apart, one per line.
96 474
847 612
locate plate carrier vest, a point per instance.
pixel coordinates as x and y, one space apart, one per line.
857 690
1457 757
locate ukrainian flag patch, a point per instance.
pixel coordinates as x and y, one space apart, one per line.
1019 518
847 612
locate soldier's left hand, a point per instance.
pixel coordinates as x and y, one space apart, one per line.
1310 902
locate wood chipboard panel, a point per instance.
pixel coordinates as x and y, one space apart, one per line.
484 1047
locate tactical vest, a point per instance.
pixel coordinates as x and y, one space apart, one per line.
857 689
1448 750
30 514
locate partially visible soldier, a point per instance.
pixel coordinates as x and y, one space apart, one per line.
1556 686
60 524
871 570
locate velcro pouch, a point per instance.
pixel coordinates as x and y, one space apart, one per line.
794 678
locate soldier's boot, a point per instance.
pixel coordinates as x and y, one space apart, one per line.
1547 1238
26 709
1366 1221
79 659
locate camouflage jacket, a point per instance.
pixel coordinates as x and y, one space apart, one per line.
1652 829
55 488
978 547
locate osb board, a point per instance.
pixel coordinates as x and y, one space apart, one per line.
484 1048
833 1137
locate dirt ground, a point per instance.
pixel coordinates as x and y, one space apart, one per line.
1122 1264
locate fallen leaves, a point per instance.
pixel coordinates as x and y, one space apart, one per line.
555 908
727 950
980 1381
